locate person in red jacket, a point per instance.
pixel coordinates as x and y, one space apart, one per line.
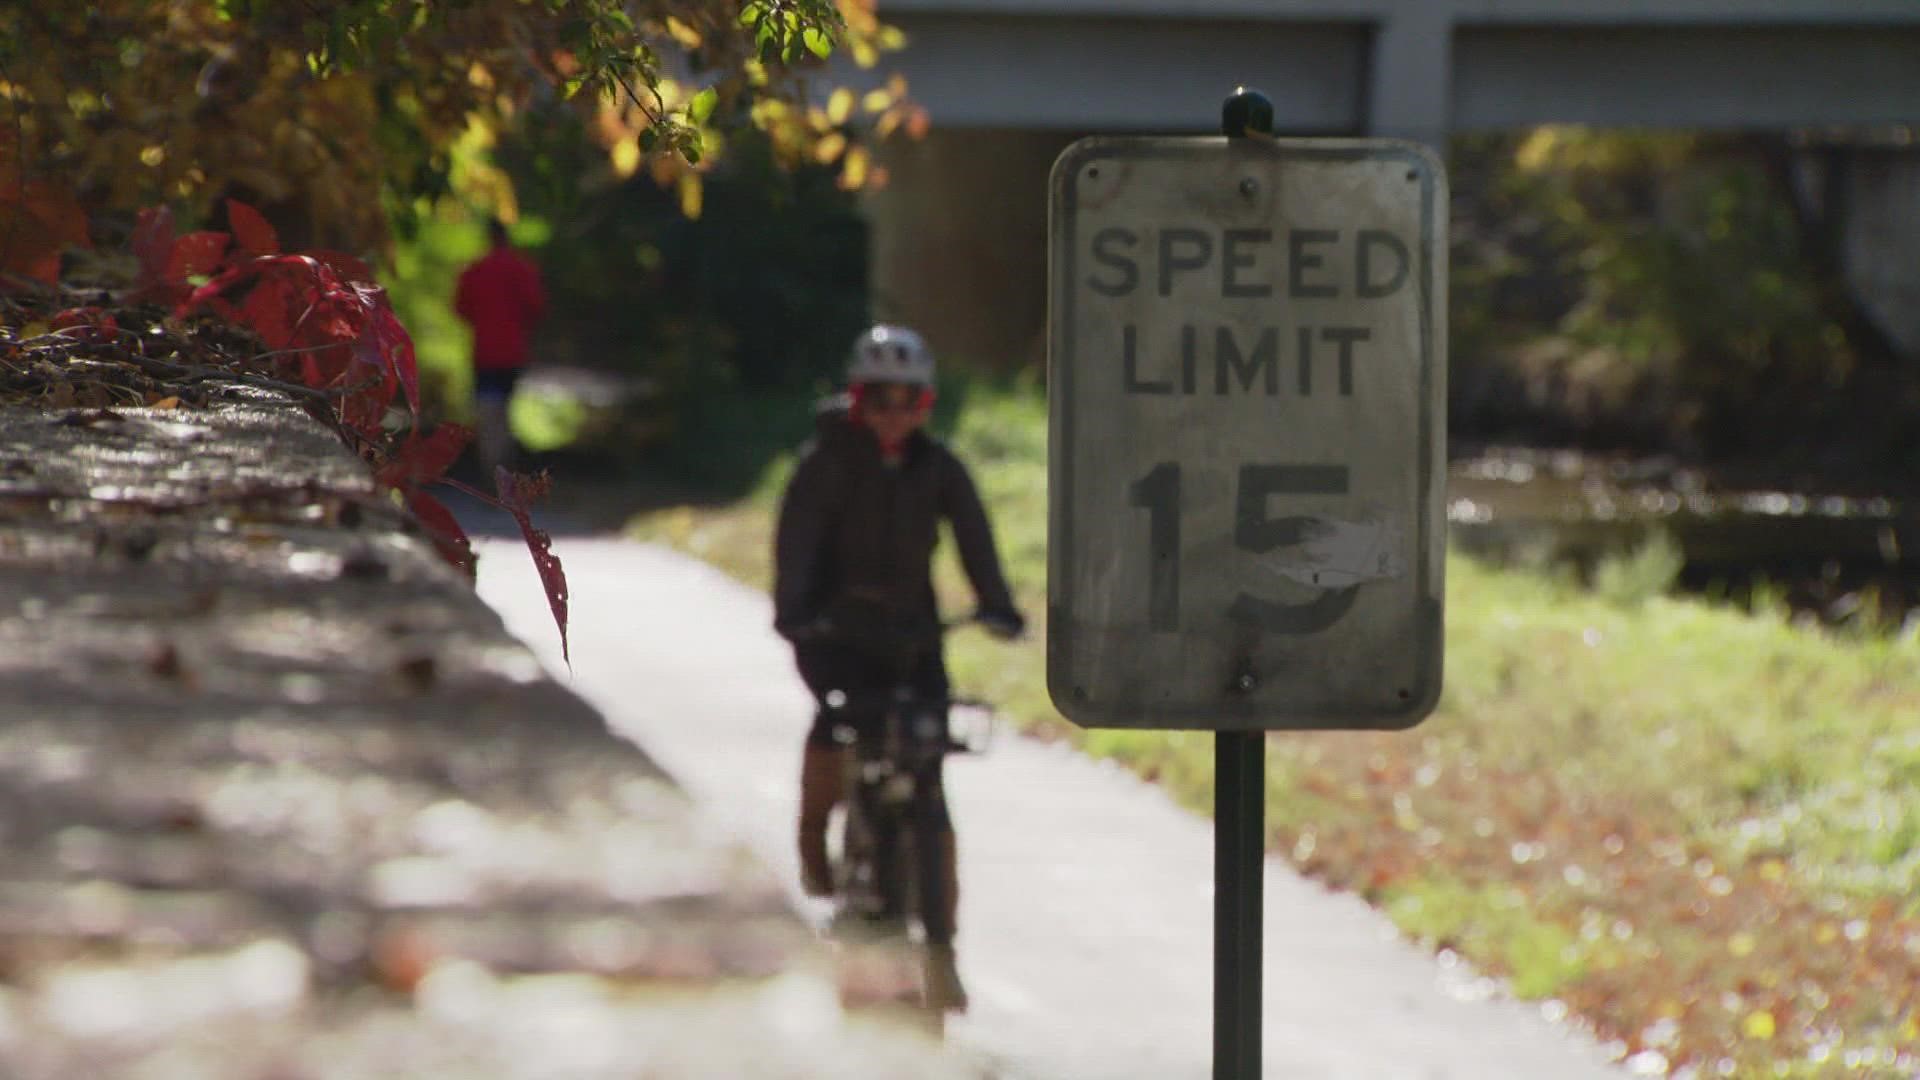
500 296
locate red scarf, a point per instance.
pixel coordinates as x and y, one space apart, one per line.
889 449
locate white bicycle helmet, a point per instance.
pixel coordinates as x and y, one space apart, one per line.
891 354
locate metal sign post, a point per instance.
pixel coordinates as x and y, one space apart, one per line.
1246 387
1239 855
1239 814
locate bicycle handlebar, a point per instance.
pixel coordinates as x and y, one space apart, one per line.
842 701
822 628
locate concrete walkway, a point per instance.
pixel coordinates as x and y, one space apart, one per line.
1086 920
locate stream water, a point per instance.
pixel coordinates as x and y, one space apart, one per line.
1832 556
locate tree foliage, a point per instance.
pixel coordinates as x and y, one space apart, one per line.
334 117
1666 288
764 288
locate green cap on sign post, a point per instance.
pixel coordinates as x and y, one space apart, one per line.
1247 112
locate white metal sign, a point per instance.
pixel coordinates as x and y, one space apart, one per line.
1247 382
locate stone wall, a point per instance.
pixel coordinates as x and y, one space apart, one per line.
281 798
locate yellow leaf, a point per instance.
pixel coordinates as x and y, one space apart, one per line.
1824 934
864 54
840 106
626 157
876 101
682 33
168 402
1537 149
853 173
830 148
1741 944
767 112
35 329
1759 1025
692 195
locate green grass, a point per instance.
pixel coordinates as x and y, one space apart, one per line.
1692 824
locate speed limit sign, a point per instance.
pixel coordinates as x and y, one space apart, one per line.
1247 377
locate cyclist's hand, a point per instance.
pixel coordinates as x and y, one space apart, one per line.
1006 625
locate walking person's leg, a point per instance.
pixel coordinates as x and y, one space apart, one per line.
493 434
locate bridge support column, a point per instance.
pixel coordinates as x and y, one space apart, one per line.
959 242
1881 204
1410 76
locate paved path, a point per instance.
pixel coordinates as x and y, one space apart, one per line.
1086 920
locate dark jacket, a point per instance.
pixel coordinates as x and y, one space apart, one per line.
852 525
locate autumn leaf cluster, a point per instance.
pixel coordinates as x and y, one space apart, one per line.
334 118
312 326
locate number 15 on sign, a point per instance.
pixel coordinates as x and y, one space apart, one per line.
1246 372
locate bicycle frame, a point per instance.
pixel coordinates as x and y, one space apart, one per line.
897 812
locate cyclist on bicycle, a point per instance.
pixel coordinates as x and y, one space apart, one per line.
857 529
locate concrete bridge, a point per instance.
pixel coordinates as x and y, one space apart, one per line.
960 238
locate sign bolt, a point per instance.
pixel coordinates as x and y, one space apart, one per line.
1244 679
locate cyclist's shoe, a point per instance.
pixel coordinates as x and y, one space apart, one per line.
867 928
1008 625
944 990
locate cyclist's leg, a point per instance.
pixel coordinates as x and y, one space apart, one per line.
822 772
945 991
930 680
822 787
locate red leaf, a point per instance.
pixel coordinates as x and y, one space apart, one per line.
372 383
399 348
250 230
98 324
448 537
40 219
44 266
516 492
37 218
391 342
344 266
212 291
423 460
271 310
195 253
